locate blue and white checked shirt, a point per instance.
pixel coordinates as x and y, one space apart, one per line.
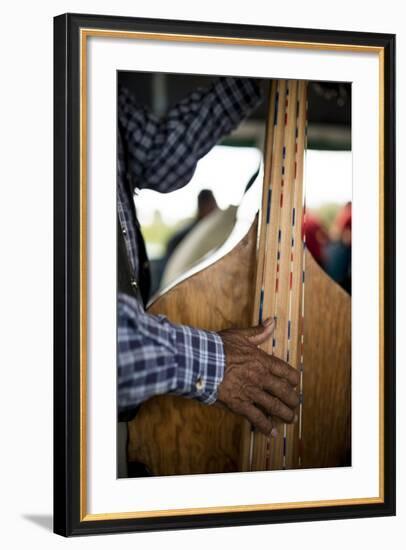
156 356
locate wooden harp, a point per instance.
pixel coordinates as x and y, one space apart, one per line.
269 272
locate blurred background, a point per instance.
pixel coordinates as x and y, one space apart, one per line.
189 228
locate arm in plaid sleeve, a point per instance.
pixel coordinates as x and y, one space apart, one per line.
162 154
156 356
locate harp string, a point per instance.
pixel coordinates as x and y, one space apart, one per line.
281 250
302 318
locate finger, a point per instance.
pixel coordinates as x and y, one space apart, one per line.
280 368
259 334
258 419
280 388
273 406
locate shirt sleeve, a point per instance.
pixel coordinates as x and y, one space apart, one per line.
156 357
162 153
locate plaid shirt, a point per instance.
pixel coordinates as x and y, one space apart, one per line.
156 356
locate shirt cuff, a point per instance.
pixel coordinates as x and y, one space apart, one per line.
200 363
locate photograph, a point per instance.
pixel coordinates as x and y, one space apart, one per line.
202 243
234 321
224 271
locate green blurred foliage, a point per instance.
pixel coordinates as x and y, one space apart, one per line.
159 232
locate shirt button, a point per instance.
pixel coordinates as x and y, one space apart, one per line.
199 384
124 231
134 283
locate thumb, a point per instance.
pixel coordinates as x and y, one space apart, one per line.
260 333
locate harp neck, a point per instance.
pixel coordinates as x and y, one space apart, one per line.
279 287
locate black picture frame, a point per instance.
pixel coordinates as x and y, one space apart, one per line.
67 440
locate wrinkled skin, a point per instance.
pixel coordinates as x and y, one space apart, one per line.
257 385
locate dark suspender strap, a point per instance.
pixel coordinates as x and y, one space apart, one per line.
143 268
124 272
124 279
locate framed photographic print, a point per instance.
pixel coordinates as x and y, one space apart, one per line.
224 255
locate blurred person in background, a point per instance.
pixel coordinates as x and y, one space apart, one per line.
317 238
338 260
206 204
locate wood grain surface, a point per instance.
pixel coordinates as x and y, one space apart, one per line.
280 254
173 435
327 371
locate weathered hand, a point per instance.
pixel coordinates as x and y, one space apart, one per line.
257 385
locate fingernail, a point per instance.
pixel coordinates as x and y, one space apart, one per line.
268 322
274 432
295 419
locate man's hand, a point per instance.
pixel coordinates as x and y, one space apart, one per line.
257 385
